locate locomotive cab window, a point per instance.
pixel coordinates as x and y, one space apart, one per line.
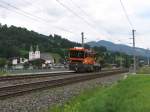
76 54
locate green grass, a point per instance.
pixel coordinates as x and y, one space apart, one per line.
129 95
144 70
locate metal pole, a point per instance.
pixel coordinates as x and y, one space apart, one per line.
148 57
134 51
120 55
148 61
82 34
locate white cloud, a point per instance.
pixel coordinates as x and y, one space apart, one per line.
106 18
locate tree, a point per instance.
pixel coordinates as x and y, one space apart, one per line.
36 63
3 62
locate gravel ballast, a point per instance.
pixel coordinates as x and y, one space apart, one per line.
41 100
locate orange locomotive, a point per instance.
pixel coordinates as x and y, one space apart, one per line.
82 60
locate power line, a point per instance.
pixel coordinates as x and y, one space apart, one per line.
84 12
27 14
16 8
4 7
73 12
81 10
38 7
76 14
32 3
88 17
126 14
133 38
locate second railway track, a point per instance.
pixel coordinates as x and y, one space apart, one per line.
31 76
22 88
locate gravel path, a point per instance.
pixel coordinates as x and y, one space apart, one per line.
41 100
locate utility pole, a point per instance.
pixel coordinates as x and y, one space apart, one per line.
148 57
121 58
134 51
82 34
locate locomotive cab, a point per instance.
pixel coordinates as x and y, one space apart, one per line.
82 60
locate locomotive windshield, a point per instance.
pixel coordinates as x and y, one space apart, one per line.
76 54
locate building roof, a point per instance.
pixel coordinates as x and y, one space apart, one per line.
46 56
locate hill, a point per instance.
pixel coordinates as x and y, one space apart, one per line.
119 47
16 41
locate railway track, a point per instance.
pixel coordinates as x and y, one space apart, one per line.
31 76
19 89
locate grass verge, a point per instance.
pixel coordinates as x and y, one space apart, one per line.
144 70
129 95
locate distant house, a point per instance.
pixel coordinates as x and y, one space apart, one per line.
36 60
18 60
14 61
48 58
45 61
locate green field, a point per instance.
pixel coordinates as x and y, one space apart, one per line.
144 70
129 95
2 73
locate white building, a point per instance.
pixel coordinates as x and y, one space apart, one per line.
48 58
34 55
18 60
15 61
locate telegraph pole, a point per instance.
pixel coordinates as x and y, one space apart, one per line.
82 34
121 58
134 51
148 57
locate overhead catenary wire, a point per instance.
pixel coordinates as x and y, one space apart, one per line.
89 18
27 13
126 14
133 38
80 17
74 13
17 10
38 7
83 12
33 4
4 7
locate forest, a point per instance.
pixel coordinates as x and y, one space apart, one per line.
16 42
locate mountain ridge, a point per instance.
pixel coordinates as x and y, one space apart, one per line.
120 48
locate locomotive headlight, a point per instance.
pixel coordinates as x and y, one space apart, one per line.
85 61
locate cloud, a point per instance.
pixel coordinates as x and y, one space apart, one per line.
99 19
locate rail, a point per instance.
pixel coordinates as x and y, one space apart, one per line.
19 89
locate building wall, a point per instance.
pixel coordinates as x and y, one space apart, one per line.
14 61
34 55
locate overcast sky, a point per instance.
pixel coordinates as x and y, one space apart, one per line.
98 19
